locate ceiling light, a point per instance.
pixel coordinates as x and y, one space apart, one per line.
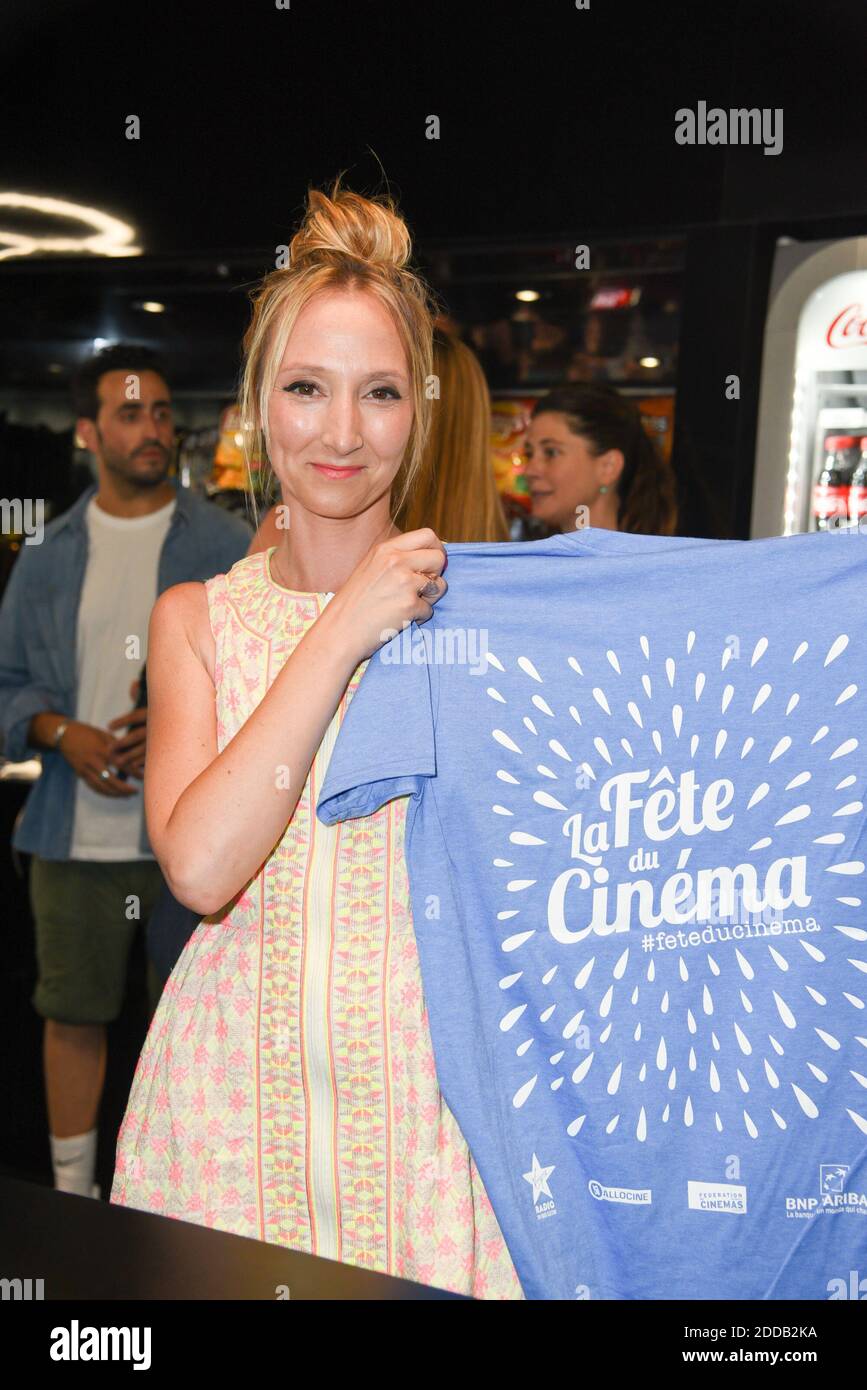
108 235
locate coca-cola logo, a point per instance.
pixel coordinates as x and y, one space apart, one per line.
848 328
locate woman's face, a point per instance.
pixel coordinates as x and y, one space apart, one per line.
340 413
561 471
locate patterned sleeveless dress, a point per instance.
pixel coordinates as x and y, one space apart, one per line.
286 1089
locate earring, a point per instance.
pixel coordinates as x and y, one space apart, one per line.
603 487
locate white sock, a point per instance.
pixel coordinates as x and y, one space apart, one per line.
74 1163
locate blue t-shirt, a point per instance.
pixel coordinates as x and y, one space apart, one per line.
636 843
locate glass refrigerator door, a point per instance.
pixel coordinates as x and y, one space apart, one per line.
814 379
831 386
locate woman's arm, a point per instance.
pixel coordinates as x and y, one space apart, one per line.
213 818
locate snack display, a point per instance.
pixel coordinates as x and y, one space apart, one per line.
657 415
230 469
509 420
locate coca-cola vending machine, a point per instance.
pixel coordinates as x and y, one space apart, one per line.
811 450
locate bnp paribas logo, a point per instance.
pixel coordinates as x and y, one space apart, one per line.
832 1177
538 1179
834 1196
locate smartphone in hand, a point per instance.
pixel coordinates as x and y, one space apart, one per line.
141 703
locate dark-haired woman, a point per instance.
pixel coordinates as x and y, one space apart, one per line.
590 462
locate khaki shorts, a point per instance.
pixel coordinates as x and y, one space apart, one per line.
85 927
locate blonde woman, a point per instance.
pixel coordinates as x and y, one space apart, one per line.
454 491
287 1088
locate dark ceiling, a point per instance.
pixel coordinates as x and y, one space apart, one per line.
552 119
556 124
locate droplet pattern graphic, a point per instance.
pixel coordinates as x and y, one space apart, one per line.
747 1025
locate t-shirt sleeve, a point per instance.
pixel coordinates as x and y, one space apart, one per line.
385 747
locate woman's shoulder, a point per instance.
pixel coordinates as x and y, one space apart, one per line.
201 609
186 608
196 595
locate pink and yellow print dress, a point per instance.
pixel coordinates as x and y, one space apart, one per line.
286 1089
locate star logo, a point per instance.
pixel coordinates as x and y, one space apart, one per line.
538 1177
832 1176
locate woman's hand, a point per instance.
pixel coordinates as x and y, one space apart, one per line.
383 594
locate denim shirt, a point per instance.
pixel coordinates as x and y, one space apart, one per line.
38 628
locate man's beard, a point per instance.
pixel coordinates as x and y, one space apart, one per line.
125 466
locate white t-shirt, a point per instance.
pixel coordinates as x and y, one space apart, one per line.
118 593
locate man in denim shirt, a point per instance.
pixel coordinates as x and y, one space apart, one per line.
73 640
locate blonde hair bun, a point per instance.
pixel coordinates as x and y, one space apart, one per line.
345 242
346 224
